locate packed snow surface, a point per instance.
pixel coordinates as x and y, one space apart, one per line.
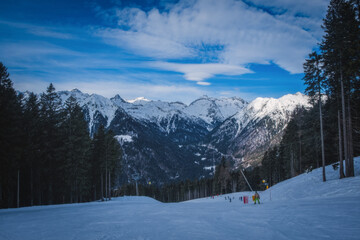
303 207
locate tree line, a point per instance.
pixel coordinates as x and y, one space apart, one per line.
47 155
225 180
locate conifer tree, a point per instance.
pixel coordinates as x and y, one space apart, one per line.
31 144
50 106
76 147
340 54
314 80
10 135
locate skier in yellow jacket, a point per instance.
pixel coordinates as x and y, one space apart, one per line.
256 198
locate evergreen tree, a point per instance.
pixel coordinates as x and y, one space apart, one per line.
105 160
97 157
50 109
75 151
341 63
10 135
31 147
314 80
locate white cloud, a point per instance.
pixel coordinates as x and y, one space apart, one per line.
228 32
204 83
127 90
200 72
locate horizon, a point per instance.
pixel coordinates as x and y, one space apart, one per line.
168 50
141 98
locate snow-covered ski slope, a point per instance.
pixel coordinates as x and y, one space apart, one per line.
303 207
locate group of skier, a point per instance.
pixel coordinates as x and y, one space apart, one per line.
255 198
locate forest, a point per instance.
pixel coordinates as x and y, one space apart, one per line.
47 155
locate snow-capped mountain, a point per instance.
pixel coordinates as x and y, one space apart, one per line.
98 109
247 134
214 111
172 140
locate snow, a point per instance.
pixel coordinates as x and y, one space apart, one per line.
279 109
213 109
210 168
138 99
207 110
124 138
94 103
303 207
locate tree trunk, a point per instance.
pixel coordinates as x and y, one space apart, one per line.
50 193
344 128
95 192
322 140
292 171
109 186
1 195
351 152
18 189
102 188
341 161
106 185
137 189
31 188
71 193
300 170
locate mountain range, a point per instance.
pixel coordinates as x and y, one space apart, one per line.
164 141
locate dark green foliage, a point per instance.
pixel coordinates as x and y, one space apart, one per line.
31 148
50 109
10 139
105 158
75 152
49 147
336 70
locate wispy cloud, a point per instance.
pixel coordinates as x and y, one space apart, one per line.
227 32
43 31
200 72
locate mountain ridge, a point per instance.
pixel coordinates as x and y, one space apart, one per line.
164 141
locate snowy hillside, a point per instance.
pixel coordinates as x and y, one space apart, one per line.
300 208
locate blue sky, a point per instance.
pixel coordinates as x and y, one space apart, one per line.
160 49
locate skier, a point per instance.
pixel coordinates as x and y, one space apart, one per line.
256 198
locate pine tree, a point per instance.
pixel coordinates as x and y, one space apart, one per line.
314 80
50 106
340 54
10 135
113 157
31 145
75 151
